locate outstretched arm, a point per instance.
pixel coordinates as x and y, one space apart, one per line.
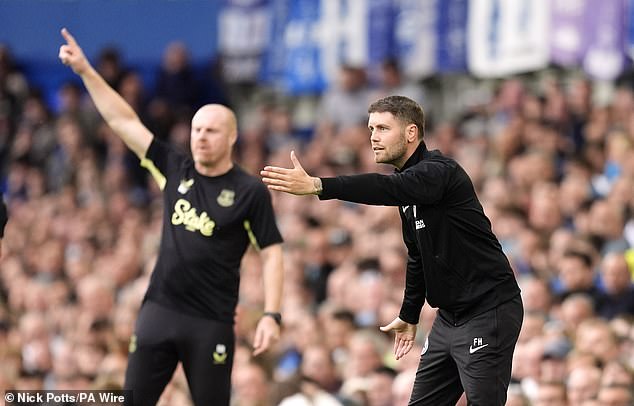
113 108
293 180
421 184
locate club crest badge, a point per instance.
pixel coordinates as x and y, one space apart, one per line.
185 185
220 355
226 198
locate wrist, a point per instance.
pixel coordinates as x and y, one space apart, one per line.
317 185
277 316
86 70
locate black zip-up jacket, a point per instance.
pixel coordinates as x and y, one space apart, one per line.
454 259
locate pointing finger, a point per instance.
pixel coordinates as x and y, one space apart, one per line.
68 37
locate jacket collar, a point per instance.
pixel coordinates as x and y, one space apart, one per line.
419 154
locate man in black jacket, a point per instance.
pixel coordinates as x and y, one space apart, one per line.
455 262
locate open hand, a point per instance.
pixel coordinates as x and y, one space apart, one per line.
293 180
267 333
71 54
405 334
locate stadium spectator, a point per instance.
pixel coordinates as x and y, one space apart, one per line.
249 386
618 296
176 83
551 394
615 395
343 104
380 383
392 81
583 384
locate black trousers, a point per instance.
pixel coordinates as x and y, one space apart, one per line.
162 338
474 357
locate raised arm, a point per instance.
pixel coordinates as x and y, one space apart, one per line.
112 107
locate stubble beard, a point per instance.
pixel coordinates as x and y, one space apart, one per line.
205 161
395 153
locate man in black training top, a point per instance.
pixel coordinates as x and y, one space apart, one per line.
454 260
213 209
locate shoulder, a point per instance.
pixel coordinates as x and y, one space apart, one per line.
441 167
159 148
434 161
437 157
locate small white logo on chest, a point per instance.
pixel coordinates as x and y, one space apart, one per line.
185 185
420 224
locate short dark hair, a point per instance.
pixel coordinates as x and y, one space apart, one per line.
406 110
385 370
584 257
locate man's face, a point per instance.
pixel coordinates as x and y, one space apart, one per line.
615 396
616 276
574 273
551 395
388 139
212 136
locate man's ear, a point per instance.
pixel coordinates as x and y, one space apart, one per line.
412 133
233 139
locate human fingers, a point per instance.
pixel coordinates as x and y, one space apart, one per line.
276 182
274 174
68 37
265 338
295 161
407 347
265 344
403 346
276 169
257 341
395 349
388 327
65 54
279 188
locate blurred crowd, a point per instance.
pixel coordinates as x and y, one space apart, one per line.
551 157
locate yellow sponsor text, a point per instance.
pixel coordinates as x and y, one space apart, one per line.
187 215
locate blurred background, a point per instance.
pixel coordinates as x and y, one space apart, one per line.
534 98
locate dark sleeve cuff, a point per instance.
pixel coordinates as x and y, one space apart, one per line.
329 188
409 314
